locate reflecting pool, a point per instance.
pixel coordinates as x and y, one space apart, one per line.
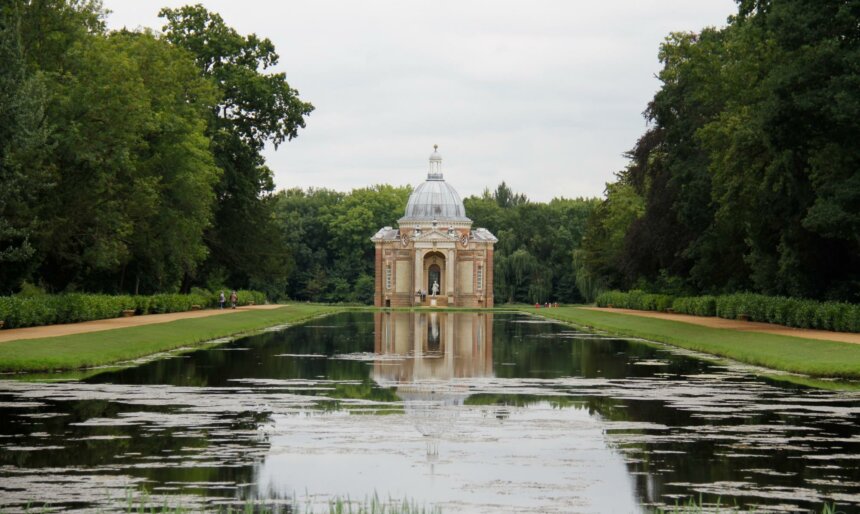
473 412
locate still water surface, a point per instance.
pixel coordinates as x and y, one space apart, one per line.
473 412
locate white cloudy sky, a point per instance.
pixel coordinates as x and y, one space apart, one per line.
544 94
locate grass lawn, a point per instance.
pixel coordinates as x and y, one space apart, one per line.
807 356
111 346
73 352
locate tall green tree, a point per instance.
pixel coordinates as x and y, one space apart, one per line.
107 158
328 235
98 111
23 136
784 166
351 223
50 28
300 217
536 243
749 170
133 168
256 107
176 171
600 258
812 121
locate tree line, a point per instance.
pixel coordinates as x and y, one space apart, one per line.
748 176
332 256
130 161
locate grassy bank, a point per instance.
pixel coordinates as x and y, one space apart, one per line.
811 357
111 346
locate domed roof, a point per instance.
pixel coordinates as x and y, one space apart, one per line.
435 199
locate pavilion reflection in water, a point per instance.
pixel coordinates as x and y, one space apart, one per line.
423 356
432 346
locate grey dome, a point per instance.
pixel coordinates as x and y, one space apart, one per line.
435 199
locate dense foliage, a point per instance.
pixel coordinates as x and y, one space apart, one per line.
253 108
748 177
131 162
328 236
637 300
329 239
696 305
45 309
532 261
792 312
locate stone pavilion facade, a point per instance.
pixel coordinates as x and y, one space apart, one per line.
434 249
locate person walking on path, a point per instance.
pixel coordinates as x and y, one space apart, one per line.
233 299
221 299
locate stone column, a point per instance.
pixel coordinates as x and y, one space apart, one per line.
418 277
450 284
488 278
378 294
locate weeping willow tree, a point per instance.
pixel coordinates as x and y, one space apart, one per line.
588 283
540 286
513 274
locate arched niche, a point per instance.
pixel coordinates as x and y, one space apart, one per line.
434 269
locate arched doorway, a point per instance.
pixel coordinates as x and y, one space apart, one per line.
434 272
434 276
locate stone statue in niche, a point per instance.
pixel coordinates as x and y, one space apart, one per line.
435 288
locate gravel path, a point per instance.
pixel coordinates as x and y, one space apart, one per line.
110 324
746 326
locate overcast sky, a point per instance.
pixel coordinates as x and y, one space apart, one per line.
545 95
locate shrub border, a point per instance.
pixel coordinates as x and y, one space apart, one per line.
47 309
780 310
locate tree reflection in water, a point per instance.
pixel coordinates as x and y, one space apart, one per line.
532 414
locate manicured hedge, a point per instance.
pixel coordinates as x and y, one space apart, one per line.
16 311
696 305
68 308
792 312
638 300
161 303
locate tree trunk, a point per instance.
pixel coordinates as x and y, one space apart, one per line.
185 288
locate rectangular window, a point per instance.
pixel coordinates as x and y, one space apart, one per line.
388 276
480 277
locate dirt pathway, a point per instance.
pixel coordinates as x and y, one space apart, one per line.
13 334
746 326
